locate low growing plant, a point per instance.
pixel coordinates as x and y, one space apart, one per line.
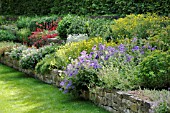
32 56
7 36
139 26
155 70
6 47
16 52
23 34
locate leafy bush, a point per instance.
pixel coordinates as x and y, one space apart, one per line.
161 38
64 55
81 25
40 38
6 47
23 34
78 26
100 7
120 67
163 108
23 22
64 25
49 62
46 23
7 36
16 52
32 56
23 7
95 7
154 70
99 27
140 26
12 28
2 20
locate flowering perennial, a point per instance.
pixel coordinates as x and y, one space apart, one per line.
98 57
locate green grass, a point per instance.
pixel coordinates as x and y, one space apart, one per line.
22 94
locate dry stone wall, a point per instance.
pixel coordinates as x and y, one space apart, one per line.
111 100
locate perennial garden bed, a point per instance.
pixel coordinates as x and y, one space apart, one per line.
112 100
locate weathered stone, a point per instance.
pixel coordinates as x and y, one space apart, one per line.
126 111
143 109
98 99
134 107
126 95
109 102
109 95
105 101
120 94
110 109
116 99
115 105
92 96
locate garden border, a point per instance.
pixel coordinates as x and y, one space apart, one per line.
111 100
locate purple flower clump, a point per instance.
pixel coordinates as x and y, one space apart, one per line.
97 57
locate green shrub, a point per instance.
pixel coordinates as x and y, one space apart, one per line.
13 28
16 52
7 36
32 56
139 26
155 70
81 25
6 47
44 21
49 62
23 22
23 34
84 7
78 26
2 20
99 27
163 108
161 39
100 7
24 7
64 25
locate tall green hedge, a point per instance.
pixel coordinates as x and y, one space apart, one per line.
26 7
83 7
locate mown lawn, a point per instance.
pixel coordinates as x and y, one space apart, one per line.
22 94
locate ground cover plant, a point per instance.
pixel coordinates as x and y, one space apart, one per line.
6 35
30 95
6 47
